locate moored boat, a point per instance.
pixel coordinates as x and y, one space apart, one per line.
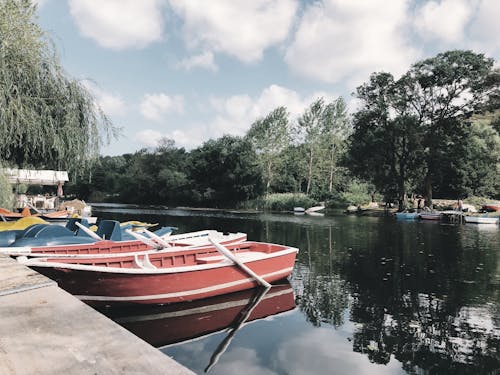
106 248
166 277
481 219
430 215
491 207
406 215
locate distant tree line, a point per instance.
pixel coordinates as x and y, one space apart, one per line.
434 131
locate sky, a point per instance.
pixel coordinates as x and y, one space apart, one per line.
194 70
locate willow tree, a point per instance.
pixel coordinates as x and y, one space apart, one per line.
47 119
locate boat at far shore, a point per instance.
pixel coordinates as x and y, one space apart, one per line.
481 219
406 215
430 215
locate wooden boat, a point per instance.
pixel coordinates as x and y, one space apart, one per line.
481 219
430 215
106 248
406 215
491 207
166 277
314 209
174 323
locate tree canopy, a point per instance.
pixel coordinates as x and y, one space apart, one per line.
47 119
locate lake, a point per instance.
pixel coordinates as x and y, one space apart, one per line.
368 295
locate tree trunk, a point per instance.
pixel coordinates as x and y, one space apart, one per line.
332 167
428 190
309 179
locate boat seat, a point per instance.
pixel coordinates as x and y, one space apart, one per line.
109 230
71 224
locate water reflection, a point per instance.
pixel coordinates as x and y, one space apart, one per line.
406 296
162 326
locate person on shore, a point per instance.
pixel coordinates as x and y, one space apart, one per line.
460 205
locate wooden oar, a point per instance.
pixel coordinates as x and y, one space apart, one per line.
239 263
157 238
141 238
88 231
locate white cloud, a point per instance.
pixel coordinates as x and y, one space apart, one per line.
204 60
112 105
347 39
235 114
485 27
154 107
150 137
119 24
239 28
444 20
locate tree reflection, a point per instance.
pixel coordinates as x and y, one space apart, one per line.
426 295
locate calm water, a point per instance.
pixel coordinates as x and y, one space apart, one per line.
367 296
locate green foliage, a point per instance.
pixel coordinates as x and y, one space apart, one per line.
6 196
357 193
270 136
225 171
47 120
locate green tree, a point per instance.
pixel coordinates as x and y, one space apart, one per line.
270 136
225 171
442 92
385 146
6 196
47 119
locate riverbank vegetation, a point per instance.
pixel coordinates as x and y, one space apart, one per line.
434 131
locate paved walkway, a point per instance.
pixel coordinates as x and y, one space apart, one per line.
44 330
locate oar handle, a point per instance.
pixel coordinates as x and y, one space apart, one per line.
88 231
239 263
141 238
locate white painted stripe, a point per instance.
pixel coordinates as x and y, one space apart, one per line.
15 250
199 310
186 293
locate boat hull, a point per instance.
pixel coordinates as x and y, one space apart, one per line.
406 215
481 220
197 277
430 216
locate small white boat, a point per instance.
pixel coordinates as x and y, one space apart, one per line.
299 209
430 215
314 209
481 220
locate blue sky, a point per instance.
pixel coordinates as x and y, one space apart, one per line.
191 70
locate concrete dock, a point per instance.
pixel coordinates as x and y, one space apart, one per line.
45 330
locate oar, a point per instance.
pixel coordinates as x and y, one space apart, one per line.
239 263
157 238
88 231
141 238
221 348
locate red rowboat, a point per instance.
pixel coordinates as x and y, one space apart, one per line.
165 277
430 215
107 248
491 207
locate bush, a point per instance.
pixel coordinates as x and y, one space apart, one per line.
280 202
357 194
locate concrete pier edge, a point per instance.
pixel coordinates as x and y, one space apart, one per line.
45 330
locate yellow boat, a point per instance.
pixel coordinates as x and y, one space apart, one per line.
22 223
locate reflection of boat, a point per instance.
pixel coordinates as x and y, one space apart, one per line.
173 323
430 215
173 276
481 219
406 215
